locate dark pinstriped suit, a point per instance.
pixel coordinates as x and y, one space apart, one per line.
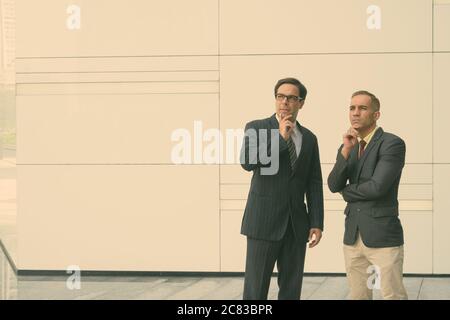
276 220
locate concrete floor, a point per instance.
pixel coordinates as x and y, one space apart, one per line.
188 288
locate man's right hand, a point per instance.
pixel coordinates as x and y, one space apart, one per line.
286 126
350 139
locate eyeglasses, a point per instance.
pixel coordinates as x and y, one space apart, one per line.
281 97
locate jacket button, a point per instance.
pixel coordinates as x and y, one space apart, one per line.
358 209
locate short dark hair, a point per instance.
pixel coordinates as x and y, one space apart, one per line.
375 102
301 88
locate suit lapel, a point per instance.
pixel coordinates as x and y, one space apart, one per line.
274 122
369 147
353 163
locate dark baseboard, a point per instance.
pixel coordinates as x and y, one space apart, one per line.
92 273
95 273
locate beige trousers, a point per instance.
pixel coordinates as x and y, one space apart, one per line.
364 264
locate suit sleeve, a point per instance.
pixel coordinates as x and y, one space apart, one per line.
389 166
252 147
337 179
314 192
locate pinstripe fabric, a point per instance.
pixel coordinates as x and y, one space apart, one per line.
276 220
289 254
272 199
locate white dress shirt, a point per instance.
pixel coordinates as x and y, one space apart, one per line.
297 137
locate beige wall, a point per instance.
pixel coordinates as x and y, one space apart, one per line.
96 108
441 156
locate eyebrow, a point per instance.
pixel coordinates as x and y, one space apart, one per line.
361 105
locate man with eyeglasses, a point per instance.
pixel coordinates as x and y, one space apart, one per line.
276 220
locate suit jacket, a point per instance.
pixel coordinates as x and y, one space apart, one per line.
372 191
272 199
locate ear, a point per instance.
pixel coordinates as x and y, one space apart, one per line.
301 104
376 115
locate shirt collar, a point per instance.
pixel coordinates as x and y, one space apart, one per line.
369 136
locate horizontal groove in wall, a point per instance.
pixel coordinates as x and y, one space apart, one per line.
117 64
116 88
117 77
405 205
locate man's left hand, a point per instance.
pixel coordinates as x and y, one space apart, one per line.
315 235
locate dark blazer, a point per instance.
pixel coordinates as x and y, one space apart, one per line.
372 192
273 198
